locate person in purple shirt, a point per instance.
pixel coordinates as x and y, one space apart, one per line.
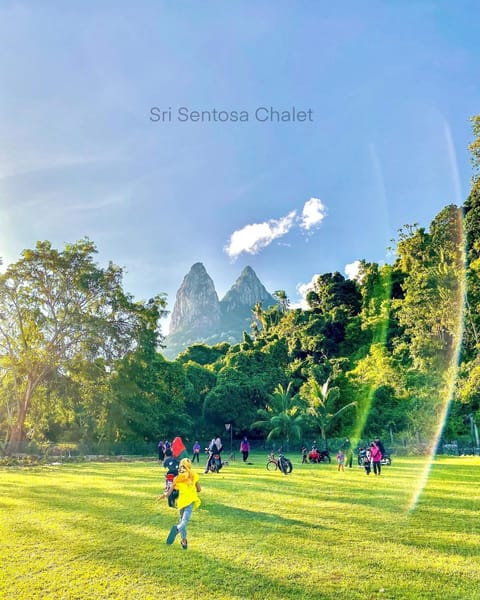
196 452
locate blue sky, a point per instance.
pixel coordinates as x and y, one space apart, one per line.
390 86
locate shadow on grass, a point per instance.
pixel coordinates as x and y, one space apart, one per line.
109 535
124 529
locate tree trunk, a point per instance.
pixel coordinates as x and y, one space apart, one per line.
17 435
324 435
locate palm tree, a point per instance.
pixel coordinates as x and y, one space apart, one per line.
321 399
259 313
282 417
282 298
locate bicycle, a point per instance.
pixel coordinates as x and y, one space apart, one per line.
282 463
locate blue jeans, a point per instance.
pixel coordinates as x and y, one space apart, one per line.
185 514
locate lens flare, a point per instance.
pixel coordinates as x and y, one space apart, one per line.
432 391
379 309
451 372
379 315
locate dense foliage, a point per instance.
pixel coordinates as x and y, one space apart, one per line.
382 354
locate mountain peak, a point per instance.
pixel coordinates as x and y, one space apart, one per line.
245 293
248 271
196 304
198 316
197 268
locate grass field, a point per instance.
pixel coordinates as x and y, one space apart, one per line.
97 530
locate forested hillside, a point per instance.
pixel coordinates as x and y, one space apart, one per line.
383 354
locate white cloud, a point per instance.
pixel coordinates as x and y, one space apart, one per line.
303 289
252 238
352 270
314 211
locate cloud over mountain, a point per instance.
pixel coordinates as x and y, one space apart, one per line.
256 236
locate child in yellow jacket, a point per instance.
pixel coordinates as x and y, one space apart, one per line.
188 486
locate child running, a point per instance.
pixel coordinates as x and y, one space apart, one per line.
188 486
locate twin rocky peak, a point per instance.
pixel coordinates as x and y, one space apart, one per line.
199 316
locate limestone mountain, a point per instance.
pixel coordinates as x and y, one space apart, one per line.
196 305
236 306
198 315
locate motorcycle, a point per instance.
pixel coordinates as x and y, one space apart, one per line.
316 456
215 463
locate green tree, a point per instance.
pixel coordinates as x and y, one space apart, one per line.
248 375
202 380
55 305
282 299
332 291
282 417
258 314
433 290
431 314
472 232
202 354
322 407
149 399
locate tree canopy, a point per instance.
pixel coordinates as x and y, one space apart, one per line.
54 307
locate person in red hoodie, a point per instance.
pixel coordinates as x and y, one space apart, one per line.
376 456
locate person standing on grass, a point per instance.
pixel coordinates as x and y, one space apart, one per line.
376 456
188 486
380 445
347 448
196 452
245 448
367 462
161 450
304 455
341 461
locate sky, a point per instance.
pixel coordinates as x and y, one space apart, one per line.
294 137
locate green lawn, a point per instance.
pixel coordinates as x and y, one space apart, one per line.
98 531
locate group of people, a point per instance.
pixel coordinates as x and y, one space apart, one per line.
182 484
314 455
371 457
162 448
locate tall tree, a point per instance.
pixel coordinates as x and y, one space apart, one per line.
282 299
55 305
433 288
431 313
472 233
